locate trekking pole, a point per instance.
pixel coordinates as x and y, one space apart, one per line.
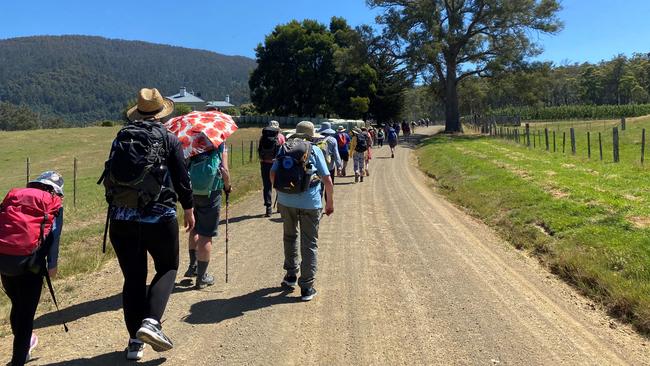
227 204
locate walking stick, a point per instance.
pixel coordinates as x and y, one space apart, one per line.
227 204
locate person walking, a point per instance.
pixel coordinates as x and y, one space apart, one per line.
24 264
380 137
300 205
359 146
396 127
392 141
211 167
143 216
335 161
267 149
343 141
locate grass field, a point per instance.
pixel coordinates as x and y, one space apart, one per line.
83 224
588 220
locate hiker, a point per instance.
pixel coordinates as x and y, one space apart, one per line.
392 141
334 161
406 128
359 147
343 142
267 149
396 127
211 166
296 174
380 137
32 220
143 216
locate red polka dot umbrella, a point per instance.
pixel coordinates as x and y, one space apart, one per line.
199 132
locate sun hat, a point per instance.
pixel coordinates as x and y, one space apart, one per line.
341 129
326 129
49 178
274 124
151 104
305 129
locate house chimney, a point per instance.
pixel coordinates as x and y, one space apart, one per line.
183 91
227 98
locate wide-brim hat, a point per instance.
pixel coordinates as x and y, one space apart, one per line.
151 105
305 130
49 178
326 129
341 129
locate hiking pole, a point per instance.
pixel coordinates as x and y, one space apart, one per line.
227 204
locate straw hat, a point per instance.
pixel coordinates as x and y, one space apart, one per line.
305 129
151 105
341 129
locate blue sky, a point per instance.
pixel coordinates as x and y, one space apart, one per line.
594 29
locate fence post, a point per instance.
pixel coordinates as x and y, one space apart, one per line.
643 146
573 141
546 138
563 141
623 124
554 148
250 157
231 153
527 134
74 184
27 171
242 153
615 147
588 145
534 140
600 145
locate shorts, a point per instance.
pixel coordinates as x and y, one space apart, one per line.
206 214
345 155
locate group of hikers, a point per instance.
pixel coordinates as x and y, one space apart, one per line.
145 177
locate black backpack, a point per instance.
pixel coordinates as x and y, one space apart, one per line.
362 142
135 170
269 144
294 171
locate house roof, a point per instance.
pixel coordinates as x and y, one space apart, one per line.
220 104
188 98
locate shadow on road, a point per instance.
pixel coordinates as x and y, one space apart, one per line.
233 220
112 358
218 310
79 311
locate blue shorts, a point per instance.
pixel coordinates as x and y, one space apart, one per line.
206 214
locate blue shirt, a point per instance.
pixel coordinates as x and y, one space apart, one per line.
311 198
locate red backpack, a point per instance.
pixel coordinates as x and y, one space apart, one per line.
26 218
341 140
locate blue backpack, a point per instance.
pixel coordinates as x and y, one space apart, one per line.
392 135
205 173
294 171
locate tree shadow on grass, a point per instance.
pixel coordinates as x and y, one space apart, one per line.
115 358
218 310
79 311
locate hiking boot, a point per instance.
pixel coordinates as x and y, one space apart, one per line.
205 281
290 280
392 155
269 211
356 178
307 294
191 271
33 342
134 351
361 179
151 333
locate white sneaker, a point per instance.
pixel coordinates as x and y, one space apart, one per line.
135 350
33 342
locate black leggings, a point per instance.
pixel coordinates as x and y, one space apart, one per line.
132 241
24 291
267 190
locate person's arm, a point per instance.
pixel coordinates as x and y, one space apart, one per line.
324 174
353 144
225 171
53 253
281 139
181 180
337 156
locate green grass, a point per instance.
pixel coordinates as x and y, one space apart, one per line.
83 225
588 220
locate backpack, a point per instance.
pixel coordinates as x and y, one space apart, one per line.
322 144
392 135
205 173
294 171
269 144
380 135
362 142
341 140
26 217
134 172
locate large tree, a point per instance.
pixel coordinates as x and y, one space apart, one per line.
446 41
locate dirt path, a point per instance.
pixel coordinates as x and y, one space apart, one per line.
404 278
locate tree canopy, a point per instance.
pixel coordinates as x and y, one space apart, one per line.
446 41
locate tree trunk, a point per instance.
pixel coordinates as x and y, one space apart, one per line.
452 116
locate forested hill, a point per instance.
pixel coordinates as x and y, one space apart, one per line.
84 79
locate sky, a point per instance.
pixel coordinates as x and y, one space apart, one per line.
594 29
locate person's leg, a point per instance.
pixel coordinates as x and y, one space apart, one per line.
309 221
24 291
290 238
207 223
267 191
357 158
162 244
131 255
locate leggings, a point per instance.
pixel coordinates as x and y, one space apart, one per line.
24 291
131 241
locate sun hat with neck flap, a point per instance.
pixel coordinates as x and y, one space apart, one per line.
151 105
